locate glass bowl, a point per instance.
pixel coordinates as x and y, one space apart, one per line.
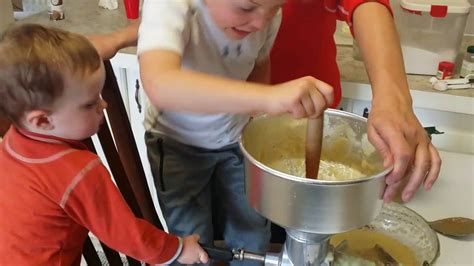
409 228
395 222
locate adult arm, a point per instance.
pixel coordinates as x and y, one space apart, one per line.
109 44
393 127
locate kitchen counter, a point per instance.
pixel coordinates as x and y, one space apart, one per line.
451 196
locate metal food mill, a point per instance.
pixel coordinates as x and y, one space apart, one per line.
311 210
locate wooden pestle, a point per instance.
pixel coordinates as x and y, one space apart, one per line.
314 142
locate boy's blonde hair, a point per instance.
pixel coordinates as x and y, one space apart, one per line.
33 62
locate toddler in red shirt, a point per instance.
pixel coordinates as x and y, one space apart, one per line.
53 189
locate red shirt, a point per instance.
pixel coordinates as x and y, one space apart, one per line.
52 193
305 44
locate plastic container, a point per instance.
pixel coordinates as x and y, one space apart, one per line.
445 70
467 67
430 31
132 8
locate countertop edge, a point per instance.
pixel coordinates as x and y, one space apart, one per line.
421 98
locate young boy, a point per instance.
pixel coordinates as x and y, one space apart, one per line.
52 189
195 56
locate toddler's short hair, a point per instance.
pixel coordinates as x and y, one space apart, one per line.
33 62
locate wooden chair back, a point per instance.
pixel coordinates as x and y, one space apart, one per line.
120 149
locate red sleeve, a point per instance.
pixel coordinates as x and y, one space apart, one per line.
345 8
97 204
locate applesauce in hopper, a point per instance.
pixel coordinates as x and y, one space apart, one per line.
338 162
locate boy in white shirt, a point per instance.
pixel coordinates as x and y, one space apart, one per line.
204 66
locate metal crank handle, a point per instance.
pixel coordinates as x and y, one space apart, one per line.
219 254
241 254
223 254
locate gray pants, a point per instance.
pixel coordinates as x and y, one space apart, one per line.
190 180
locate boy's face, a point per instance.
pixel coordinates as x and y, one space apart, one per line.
239 18
78 113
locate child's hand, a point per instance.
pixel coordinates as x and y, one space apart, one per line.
303 97
192 252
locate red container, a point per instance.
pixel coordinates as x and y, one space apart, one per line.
131 8
445 70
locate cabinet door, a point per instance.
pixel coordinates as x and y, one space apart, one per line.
137 103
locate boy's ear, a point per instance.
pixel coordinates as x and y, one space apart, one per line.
39 119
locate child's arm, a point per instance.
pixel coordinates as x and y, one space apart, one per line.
170 87
95 203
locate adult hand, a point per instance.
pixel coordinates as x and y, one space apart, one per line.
398 135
